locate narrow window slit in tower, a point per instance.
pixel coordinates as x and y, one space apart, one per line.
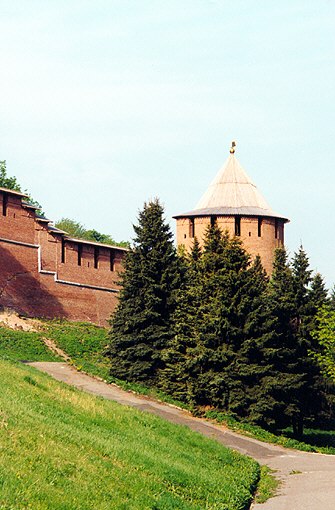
213 221
96 258
80 253
63 252
237 226
4 204
259 227
276 228
191 227
112 259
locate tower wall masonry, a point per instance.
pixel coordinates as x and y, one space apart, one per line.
271 230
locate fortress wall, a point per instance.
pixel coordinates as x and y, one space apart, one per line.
94 268
35 281
17 222
50 251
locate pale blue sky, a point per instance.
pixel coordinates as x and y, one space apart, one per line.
109 103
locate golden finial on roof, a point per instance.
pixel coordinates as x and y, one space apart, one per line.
232 148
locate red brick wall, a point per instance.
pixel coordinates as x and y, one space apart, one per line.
34 280
18 224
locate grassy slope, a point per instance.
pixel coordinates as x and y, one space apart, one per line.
19 346
85 344
63 449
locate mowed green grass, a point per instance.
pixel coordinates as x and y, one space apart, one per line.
22 345
63 449
85 344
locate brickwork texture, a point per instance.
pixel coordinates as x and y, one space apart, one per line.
44 273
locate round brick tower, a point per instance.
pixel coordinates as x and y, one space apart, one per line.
235 204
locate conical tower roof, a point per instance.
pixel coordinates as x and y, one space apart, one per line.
232 192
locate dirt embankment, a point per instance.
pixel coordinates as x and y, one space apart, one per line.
12 320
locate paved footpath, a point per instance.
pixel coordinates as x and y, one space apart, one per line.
308 479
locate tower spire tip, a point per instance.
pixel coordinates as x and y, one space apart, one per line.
232 148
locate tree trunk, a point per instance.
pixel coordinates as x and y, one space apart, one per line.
298 426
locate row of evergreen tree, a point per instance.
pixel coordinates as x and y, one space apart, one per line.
211 329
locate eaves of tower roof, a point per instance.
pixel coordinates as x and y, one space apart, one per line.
232 192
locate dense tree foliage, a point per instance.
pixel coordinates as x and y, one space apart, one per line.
324 334
12 183
221 334
76 229
5 180
219 354
295 298
141 325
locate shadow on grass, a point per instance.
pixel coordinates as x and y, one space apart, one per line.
315 437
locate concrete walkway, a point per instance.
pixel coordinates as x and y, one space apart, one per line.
308 479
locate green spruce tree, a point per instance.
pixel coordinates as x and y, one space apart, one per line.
141 325
318 293
294 297
179 353
194 370
288 380
309 397
213 352
253 367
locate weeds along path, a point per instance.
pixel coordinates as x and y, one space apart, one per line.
307 479
56 350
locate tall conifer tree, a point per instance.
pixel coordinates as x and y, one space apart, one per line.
213 353
141 325
253 366
221 355
179 355
282 304
318 293
294 298
309 398
196 356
